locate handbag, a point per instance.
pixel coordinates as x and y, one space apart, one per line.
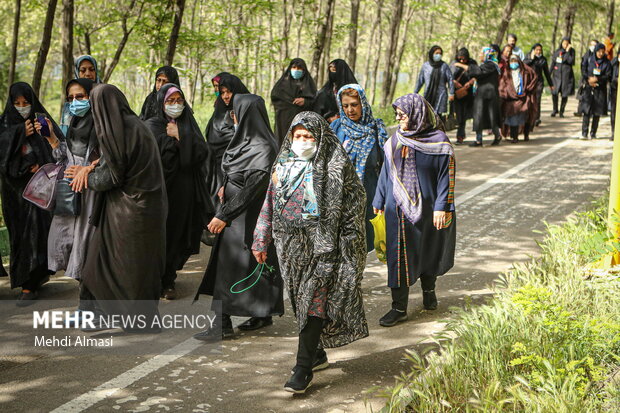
461 92
41 188
68 202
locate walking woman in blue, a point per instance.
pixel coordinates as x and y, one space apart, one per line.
416 193
362 137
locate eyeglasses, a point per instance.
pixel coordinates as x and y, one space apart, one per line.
178 101
79 96
401 115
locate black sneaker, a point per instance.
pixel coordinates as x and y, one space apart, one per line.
211 334
26 298
429 299
299 382
392 318
320 362
255 323
169 293
476 144
496 141
554 114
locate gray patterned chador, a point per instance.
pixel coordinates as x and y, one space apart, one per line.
314 213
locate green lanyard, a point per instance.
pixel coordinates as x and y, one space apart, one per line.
262 267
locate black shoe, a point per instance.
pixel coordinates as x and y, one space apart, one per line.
169 293
429 299
537 123
392 318
592 136
496 141
26 299
320 361
476 144
211 334
514 140
554 114
299 382
561 114
255 323
526 138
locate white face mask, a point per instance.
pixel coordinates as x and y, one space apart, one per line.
304 149
174 111
24 110
592 49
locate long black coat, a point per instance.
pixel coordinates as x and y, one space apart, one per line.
541 67
562 73
486 102
594 99
464 107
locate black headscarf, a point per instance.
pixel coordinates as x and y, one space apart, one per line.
463 52
325 104
562 42
220 128
41 150
149 108
81 133
189 132
288 89
254 145
430 91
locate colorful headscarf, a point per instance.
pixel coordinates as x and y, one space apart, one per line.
425 134
490 54
361 135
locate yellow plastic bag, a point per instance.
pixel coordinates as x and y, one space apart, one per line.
378 223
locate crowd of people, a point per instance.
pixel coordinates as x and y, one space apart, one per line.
136 194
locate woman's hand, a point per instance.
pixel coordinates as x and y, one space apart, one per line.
79 175
34 168
220 195
299 101
333 118
440 218
377 211
216 226
261 257
52 139
29 127
172 129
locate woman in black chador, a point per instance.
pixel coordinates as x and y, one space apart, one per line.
165 74
537 61
461 77
594 98
22 152
183 150
292 94
126 256
246 165
221 128
340 74
562 75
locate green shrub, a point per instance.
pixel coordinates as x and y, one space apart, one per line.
549 341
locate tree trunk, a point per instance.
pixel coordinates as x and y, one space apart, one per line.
352 55
319 45
176 28
325 59
390 55
67 41
459 22
554 40
375 70
121 46
610 16
569 20
506 17
376 28
45 46
287 12
18 10
400 54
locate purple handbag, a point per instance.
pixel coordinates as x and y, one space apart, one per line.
41 189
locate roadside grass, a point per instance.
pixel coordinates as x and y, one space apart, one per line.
549 341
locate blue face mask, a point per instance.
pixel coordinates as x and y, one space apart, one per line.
297 74
79 107
514 65
217 94
437 57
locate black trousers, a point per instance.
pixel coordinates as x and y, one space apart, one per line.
585 123
613 98
400 295
309 338
539 93
555 103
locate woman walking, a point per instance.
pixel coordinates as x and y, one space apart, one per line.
537 61
416 194
246 165
517 89
562 74
463 87
22 152
486 103
362 137
294 92
594 98
314 214
183 150
339 74
436 78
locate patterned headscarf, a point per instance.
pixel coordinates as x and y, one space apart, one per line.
361 135
490 54
425 134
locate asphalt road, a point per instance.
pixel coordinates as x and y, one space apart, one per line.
503 194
